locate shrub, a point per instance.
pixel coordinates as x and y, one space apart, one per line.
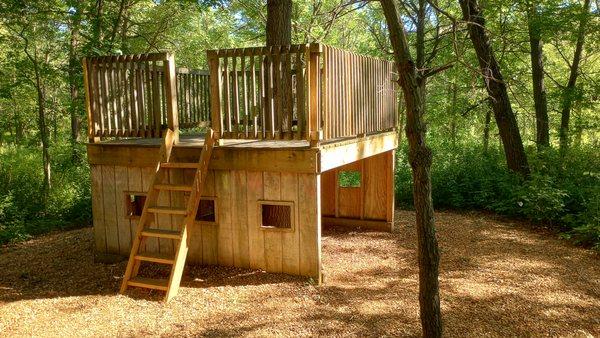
24 211
562 192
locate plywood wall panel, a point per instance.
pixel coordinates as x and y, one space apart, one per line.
239 216
372 201
98 208
134 184
151 243
376 187
273 238
223 187
256 240
210 235
237 239
110 209
328 191
290 239
123 224
309 215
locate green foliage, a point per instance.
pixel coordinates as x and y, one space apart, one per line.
349 179
24 211
561 193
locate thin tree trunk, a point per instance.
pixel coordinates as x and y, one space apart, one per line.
73 85
41 97
97 27
496 88
279 33
19 128
569 90
279 22
537 77
420 158
486 130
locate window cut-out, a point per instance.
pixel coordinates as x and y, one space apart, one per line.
349 179
134 202
206 211
276 215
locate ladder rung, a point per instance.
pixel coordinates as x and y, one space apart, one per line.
155 257
149 283
162 233
173 187
167 210
180 165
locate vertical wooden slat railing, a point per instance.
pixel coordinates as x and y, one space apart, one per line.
193 97
359 96
130 96
261 92
312 92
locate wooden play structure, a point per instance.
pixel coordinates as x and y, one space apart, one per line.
239 166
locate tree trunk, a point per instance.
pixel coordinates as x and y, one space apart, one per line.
486 130
74 66
279 33
569 90
97 25
41 97
279 22
537 76
496 88
420 158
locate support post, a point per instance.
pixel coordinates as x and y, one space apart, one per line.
215 93
171 95
92 138
314 133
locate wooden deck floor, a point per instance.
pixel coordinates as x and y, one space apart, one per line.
197 141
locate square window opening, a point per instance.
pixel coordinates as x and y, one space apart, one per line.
206 211
349 179
276 216
134 204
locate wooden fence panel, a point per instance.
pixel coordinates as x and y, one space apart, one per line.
134 96
359 96
262 92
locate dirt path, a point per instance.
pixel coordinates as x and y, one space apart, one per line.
497 279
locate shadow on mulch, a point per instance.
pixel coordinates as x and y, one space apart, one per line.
62 265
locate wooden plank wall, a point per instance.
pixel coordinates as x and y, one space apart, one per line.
237 239
372 201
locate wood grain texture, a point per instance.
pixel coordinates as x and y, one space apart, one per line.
273 238
98 209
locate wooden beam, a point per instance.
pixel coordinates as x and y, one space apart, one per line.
337 154
377 225
283 160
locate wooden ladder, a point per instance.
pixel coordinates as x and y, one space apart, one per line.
144 231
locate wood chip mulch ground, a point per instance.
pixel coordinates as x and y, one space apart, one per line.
498 278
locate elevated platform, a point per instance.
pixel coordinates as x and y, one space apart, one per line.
261 155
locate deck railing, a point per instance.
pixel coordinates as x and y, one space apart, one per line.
132 96
312 92
261 92
193 97
360 94
129 95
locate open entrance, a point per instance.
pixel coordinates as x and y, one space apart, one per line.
359 194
